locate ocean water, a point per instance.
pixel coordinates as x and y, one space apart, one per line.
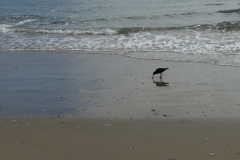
206 31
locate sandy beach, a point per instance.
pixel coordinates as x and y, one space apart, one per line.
71 138
95 106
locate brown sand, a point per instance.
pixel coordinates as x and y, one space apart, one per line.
119 112
70 138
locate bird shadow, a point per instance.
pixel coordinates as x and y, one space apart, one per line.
160 83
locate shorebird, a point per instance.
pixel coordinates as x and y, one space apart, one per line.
159 71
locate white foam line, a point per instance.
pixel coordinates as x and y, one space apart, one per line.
207 46
24 21
70 32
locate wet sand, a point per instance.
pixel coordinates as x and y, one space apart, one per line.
92 106
107 86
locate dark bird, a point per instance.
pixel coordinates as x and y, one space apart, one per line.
159 71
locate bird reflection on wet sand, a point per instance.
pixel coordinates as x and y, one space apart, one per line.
160 83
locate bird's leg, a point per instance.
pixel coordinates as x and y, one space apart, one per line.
160 77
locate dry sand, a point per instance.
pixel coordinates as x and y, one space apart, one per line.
119 112
70 138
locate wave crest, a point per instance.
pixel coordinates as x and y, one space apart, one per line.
19 28
4 28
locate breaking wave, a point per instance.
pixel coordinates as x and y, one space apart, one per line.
223 26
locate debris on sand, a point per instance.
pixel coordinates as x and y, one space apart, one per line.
153 110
